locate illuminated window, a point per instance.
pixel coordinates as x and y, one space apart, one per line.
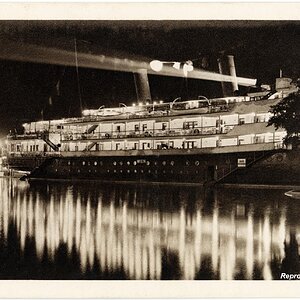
83 163
172 163
95 163
114 163
164 163
128 163
197 163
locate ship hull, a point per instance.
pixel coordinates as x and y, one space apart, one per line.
261 168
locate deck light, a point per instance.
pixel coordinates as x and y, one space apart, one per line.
156 65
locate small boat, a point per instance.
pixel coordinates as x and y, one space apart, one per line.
293 194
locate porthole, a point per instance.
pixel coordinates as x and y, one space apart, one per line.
142 171
89 171
107 171
155 163
114 163
89 163
149 171
95 171
164 171
95 163
187 163
148 163
69 163
101 163
197 163
180 172
134 162
78 171
121 171
115 171
164 163
121 163
172 163
128 163
128 171
55 170
83 163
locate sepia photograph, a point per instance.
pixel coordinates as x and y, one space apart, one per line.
150 149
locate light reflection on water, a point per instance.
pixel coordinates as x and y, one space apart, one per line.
93 231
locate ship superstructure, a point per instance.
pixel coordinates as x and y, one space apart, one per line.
195 141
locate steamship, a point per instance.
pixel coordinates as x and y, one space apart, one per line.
193 141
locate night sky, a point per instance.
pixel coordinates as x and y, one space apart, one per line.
260 48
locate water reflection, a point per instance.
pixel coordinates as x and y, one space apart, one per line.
81 230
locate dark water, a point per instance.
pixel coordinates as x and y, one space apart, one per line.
98 231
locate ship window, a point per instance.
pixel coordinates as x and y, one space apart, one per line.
121 171
95 163
121 163
37 148
164 171
164 126
142 171
69 163
118 128
144 127
118 146
89 171
197 163
115 171
172 163
149 171
242 121
78 171
89 163
134 162
135 171
148 163
187 163
128 163
83 163
101 163
164 163
189 125
136 127
128 171
155 163
55 170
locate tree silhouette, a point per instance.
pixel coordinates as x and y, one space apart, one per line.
286 114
